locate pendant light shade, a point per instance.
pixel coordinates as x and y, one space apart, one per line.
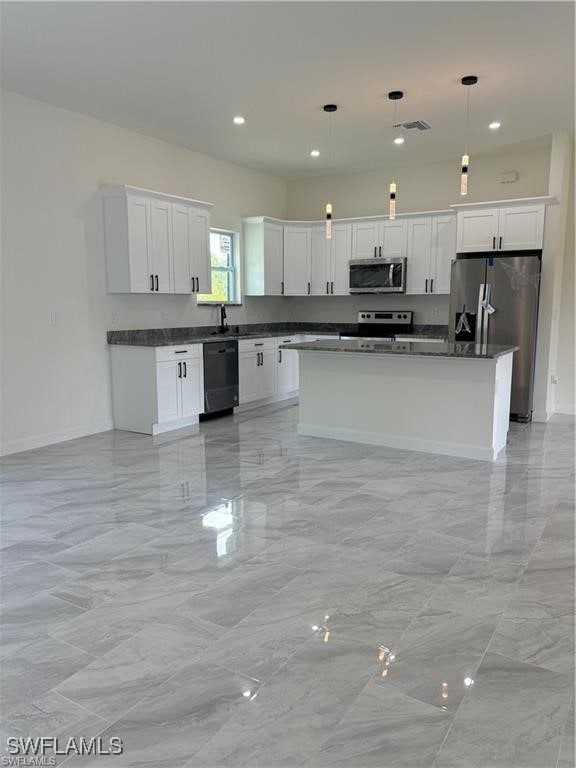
468 80
329 109
394 96
328 221
392 202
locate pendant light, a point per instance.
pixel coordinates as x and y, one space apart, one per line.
468 80
329 109
394 96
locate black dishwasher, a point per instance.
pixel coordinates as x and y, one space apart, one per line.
220 377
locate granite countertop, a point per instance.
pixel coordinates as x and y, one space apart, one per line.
464 350
165 337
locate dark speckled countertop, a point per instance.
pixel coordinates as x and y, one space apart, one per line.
465 350
165 337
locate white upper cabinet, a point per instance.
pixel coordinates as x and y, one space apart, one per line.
297 259
366 238
321 261
330 260
508 228
418 266
393 239
155 243
477 230
443 252
264 257
379 238
431 248
521 228
200 266
341 250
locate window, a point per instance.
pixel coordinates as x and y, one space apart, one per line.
224 267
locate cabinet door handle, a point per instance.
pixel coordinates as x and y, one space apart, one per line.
308 289
493 243
380 251
331 287
151 282
185 369
327 287
500 245
193 286
432 285
156 282
426 287
374 251
282 287
279 355
179 370
197 285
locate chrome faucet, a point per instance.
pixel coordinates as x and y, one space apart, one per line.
223 324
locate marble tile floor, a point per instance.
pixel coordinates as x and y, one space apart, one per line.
237 595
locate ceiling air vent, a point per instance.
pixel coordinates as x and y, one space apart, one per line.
422 125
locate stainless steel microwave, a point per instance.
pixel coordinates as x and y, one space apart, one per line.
377 275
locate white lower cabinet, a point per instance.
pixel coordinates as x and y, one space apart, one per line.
156 389
287 367
257 375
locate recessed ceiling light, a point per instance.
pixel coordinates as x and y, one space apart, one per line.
494 125
315 153
399 140
239 120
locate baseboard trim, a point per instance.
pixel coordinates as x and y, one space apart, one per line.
566 410
541 416
169 426
402 443
266 401
51 438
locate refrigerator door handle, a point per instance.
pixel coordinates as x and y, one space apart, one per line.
480 315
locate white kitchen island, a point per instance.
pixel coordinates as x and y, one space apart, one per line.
442 398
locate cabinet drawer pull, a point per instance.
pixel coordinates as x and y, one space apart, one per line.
180 351
426 286
258 343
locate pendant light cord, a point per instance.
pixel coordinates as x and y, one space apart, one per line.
467 120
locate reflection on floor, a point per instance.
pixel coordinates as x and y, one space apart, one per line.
242 596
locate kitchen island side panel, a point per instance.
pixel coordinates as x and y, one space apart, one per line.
439 405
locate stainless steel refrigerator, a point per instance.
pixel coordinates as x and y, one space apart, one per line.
498 295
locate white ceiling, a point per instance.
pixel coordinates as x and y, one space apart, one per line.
180 71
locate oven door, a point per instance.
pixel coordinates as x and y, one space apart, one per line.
377 276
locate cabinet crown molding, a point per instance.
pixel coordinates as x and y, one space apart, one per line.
344 220
125 189
542 200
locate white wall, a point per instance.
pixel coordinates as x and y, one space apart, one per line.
565 395
55 379
420 188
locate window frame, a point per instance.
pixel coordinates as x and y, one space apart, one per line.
234 271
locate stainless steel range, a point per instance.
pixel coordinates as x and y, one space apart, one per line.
381 325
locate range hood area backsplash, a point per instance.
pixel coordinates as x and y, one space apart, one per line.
428 310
